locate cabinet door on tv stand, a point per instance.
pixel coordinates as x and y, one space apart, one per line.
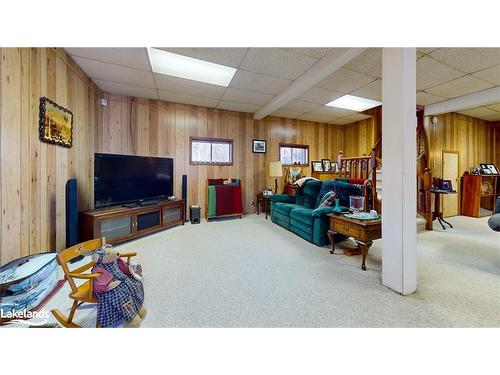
116 229
172 215
147 221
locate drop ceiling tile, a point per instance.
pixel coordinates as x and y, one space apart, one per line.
495 107
426 49
369 62
130 57
238 107
357 116
301 106
424 98
432 73
244 96
343 121
176 97
224 56
344 80
286 113
458 87
372 91
317 53
491 74
468 59
316 117
333 112
258 82
492 117
187 86
116 73
128 90
277 62
319 95
479 112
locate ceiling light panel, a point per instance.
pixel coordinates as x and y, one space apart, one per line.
172 64
353 103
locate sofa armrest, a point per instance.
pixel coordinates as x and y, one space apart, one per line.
285 198
322 211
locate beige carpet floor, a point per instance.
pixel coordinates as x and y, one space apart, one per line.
253 273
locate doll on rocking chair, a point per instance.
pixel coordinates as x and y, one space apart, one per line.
119 290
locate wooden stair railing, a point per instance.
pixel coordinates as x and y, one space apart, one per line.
365 167
424 177
362 167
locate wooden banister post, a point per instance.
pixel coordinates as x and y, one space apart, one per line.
427 198
373 170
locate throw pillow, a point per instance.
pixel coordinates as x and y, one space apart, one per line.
328 199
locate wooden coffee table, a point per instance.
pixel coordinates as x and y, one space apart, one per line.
362 231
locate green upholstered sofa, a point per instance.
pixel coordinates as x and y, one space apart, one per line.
300 213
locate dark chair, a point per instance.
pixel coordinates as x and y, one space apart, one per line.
494 220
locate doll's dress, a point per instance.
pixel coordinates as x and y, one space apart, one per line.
121 303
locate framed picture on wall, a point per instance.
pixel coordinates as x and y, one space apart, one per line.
55 124
317 166
259 146
327 165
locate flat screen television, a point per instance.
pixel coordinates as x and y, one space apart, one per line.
120 179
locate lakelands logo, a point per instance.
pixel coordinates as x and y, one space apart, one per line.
25 317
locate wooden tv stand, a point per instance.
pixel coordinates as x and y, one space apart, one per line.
119 224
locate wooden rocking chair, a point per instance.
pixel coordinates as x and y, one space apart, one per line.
84 292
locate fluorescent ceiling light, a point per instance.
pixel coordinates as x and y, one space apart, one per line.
172 64
353 103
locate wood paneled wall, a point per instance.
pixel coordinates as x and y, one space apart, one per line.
156 128
359 138
477 141
32 173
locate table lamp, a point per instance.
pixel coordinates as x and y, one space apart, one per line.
276 171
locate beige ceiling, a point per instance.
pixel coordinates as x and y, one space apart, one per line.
262 73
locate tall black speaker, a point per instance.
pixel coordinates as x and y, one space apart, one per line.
184 194
71 213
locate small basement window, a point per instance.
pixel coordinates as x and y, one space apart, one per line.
211 151
292 154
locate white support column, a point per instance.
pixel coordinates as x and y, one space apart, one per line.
399 206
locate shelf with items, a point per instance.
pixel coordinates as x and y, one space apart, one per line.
479 193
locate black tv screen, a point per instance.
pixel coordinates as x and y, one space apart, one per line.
120 179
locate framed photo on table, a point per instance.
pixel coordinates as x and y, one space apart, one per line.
488 168
259 146
317 166
327 165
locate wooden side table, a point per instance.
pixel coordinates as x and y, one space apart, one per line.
263 204
438 213
362 231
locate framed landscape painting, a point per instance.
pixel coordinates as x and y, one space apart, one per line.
259 146
317 166
56 124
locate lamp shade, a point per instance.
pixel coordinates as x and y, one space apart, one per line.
275 169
